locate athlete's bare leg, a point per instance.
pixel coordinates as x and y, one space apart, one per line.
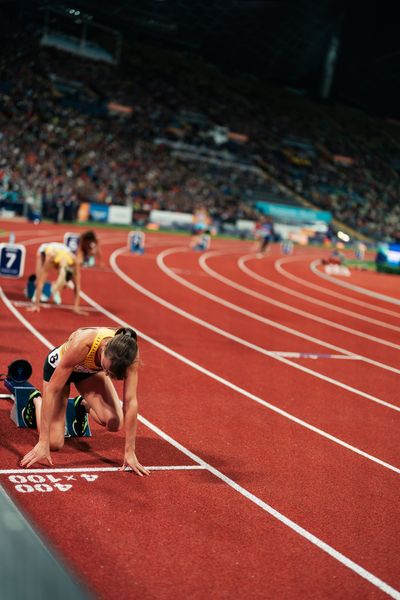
57 428
101 401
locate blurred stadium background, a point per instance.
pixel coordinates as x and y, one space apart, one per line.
142 113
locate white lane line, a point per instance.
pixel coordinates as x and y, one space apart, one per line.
206 372
243 342
244 392
344 560
288 307
38 232
287 290
248 313
314 355
98 469
47 305
278 266
350 286
347 562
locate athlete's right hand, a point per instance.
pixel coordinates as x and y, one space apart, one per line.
39 454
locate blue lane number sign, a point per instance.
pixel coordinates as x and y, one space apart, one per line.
136 241
12 260
72 241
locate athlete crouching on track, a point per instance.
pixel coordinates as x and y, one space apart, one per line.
53 255
89 358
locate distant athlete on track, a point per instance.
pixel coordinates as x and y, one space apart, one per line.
265 234
54 255
89 249
89 359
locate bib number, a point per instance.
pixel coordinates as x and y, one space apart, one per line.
54 358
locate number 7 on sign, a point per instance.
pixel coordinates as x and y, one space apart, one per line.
12 260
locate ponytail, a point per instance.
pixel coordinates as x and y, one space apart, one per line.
126 331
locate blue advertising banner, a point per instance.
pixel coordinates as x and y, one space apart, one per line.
293 214
99 213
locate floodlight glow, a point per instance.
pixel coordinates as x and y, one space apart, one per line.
343 236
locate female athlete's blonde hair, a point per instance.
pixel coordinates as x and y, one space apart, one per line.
122 350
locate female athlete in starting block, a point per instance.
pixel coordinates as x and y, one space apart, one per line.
53 255
89 359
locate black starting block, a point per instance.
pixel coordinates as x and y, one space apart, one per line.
31 289
16 381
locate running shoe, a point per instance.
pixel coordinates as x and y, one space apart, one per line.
80 423
43 298
56 297
29 412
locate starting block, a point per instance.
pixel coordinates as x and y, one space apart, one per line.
31 288
20 392
287 246
202 242
136 242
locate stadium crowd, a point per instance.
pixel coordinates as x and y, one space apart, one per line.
176 137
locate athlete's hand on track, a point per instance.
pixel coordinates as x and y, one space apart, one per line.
80 311
39 454
33 308
131 461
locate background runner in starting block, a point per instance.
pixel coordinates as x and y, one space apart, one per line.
136 241
73 240
201 241
20 390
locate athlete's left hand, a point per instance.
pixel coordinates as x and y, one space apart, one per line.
131 461
33 308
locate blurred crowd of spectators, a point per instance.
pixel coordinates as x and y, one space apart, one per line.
190 137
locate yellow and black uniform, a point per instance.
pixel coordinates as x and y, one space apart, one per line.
83 369
60 253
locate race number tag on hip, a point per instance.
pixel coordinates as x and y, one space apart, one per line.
54 357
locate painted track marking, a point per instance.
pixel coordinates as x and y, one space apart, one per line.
230 336
287 290
22 471
288 307
347 562
239 309
278 266
350 286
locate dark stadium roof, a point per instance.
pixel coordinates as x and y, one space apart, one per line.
282 40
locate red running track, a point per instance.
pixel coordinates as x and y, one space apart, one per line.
263 435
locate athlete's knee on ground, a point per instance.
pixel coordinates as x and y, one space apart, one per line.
56 442
114 423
